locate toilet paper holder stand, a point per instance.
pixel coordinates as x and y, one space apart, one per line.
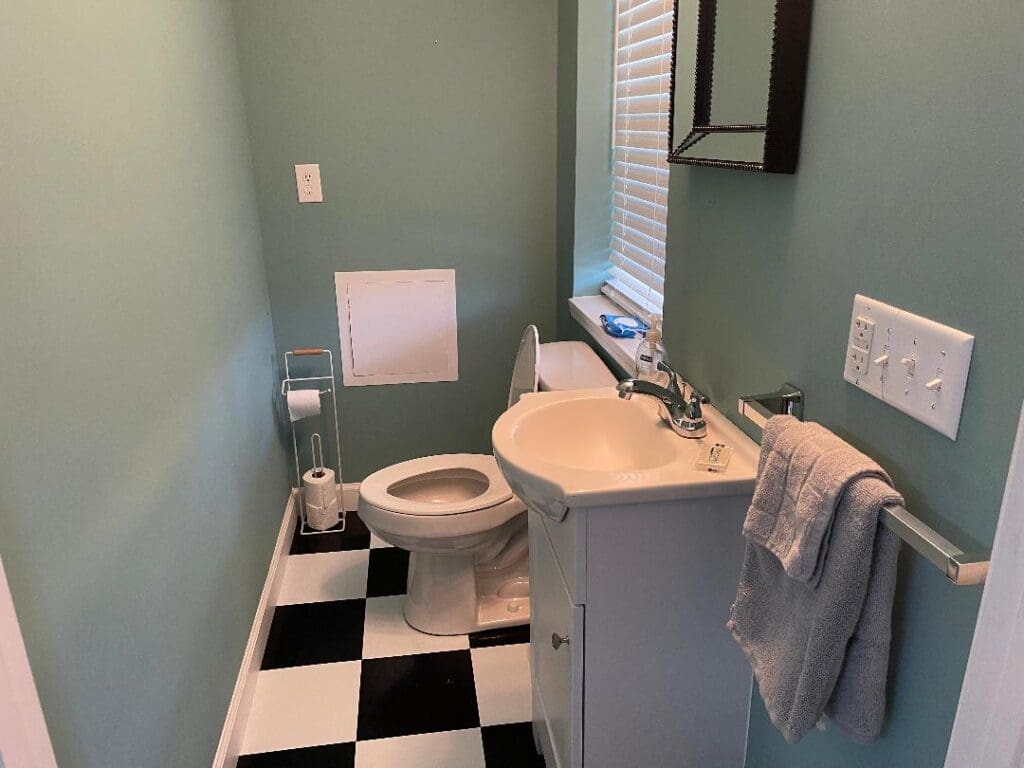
308 382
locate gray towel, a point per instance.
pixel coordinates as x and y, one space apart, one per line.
802 472
813 608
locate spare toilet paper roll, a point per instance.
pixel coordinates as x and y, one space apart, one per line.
320 491
322 519
303 403
323 507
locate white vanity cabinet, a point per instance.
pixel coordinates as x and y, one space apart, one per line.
632 663
556 656
635 553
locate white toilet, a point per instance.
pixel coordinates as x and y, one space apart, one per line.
458 517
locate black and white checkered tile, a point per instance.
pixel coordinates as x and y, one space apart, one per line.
346 683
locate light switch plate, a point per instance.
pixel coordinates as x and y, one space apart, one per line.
307 183
924 364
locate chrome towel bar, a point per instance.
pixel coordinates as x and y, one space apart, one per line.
961 568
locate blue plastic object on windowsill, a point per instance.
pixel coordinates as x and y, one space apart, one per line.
624 326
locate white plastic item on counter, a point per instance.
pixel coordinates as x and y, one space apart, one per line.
649 353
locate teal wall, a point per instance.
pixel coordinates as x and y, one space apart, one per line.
586 59
434 127
565 207
595 57
909 190
141 484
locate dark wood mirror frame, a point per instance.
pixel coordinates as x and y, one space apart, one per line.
786 85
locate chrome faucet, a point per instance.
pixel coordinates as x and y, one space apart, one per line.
683 414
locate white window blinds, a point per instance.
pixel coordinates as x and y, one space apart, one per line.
643 66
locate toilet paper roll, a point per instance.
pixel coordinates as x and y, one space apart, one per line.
322 518
323 507
320 491
303 403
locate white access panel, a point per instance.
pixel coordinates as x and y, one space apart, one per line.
397 327
910 362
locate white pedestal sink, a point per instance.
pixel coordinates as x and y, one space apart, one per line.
588 447
634 558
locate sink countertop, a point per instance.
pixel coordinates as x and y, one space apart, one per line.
589 448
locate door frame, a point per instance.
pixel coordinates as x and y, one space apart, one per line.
989 726
24 739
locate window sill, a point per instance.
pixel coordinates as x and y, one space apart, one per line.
587 311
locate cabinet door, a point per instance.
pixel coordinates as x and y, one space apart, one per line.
556 651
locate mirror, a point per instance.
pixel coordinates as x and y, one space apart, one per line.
745 63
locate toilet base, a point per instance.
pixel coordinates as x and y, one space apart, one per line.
449 595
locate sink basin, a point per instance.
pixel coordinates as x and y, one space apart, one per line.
580 448
595 433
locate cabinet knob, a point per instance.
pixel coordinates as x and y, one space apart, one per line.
557 641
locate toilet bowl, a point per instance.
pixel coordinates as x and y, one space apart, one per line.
457 516
467 537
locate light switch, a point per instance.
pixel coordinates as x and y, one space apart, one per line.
307 183
918 366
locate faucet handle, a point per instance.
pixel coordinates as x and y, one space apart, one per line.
673 377
693 405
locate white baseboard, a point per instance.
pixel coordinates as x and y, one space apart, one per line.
350 496
245 685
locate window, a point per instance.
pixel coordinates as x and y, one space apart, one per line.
643 71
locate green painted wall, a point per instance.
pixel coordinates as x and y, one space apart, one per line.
909 190
565 211
595 56
434 127
586 59
141 483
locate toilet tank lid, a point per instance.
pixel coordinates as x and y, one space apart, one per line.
572 365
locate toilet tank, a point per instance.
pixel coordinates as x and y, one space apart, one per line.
571 365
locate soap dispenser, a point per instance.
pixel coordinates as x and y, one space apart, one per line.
649 353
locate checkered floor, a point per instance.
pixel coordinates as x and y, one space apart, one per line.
345 682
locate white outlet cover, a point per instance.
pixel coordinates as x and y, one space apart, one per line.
307 183
939 352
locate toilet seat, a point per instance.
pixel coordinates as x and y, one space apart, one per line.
437 486
391 502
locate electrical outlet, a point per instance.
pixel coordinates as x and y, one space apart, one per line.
859 360
307 183
912 363
863 333
870 327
